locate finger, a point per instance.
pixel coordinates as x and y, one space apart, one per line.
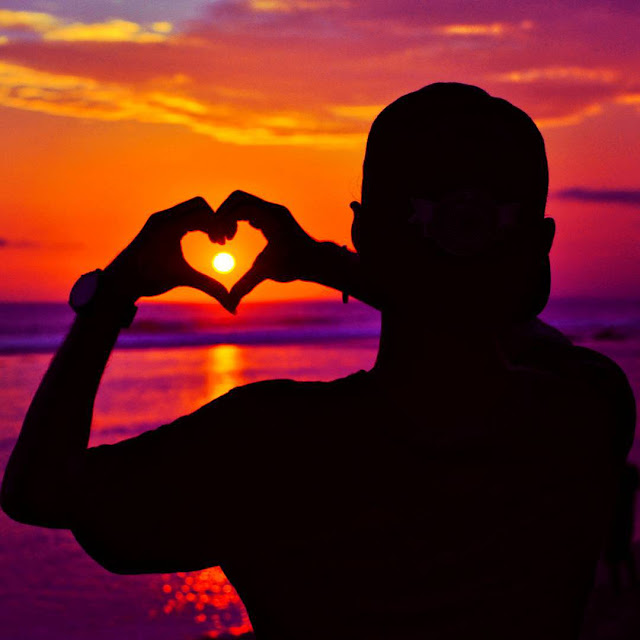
192 215
226 220
266 216
239 205
210 286
247 283
224 229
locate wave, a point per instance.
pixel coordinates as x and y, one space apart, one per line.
40 327
46 344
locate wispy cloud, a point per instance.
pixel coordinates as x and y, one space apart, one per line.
27 20
12 243
608 196
494 29
316 72
569 119
630 99
110 31
78 97
52 28
289 6
560 74
6 243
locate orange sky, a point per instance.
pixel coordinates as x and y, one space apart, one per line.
110 111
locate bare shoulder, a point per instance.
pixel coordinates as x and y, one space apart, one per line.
595 383
575 381
606 375
275 391
543 348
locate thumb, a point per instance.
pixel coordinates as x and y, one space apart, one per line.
249 281
210 286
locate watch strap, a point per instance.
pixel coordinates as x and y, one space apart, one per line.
89 294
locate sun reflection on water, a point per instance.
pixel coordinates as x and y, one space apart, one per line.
210 598
207 595
224 369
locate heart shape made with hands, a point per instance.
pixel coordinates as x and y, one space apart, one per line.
199 252
287 256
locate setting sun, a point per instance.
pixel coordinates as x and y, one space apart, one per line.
224 262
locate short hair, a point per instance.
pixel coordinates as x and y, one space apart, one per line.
451 136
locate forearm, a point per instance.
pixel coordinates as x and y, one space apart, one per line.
47 460
338 268
39 478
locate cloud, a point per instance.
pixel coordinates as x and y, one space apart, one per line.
110 31
6 243
363 112
570 119
53 28
631 99
495 29
566 95
27 20
77 97
290 6
608 196
316 72
11 243
561 64
162 26
560 74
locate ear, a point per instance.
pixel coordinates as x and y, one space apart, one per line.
548 233
356 207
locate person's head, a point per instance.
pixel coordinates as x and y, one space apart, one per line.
454 187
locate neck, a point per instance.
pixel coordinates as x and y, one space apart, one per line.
416 345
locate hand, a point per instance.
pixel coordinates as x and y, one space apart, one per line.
153 263
289 254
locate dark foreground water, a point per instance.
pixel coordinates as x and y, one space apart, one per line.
174 359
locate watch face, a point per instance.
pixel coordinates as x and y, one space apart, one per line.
84 290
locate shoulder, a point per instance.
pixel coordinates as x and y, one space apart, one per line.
274 391
604 388
533 340
543 348
608 378
601 371
275 405
573 381
593 373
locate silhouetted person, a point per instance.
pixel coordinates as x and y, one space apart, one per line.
619 550
458 489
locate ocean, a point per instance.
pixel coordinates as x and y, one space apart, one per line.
181 356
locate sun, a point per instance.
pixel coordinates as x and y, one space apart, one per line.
223 262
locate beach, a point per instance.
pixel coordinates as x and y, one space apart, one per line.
174 359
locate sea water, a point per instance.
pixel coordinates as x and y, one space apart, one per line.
173 359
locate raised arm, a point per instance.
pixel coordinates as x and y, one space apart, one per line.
40 476
291 253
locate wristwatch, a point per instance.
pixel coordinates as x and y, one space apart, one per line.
86 290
